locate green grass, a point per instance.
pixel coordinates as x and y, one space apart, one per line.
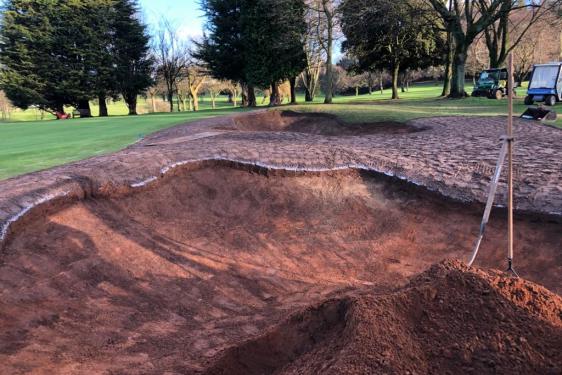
27 146
32 146
420 101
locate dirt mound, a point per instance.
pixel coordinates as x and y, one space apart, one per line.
165 278
449 319
314 123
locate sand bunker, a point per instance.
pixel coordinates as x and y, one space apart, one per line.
315 123
186 276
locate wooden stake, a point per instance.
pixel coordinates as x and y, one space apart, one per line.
510 165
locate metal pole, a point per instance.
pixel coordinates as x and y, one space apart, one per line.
510 166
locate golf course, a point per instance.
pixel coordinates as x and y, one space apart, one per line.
27 146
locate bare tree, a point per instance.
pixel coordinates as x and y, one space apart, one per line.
6 106
467 19
326 24
195 76
477 58
171 55
537 46
314 51
214 87
234 89
504 35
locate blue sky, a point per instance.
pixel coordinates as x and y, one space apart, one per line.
184 13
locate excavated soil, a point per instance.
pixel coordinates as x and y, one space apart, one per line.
199 272
315 123
448 320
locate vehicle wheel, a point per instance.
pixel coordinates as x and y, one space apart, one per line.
498 94
550 100
529 100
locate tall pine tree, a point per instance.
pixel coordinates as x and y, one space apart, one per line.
65 53
258 43
133 64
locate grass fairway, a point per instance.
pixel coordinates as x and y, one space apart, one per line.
28 146
32 146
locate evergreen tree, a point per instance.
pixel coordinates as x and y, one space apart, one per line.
65 53
222 48
32 68
133 64
255 42
274 42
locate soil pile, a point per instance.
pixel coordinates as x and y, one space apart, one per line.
449 319
315 123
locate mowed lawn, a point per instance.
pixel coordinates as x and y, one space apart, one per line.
31 146
28 146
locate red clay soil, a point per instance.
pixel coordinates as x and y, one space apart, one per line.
169 278
315 123
448 320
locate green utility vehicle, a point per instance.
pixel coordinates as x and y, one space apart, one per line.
492 84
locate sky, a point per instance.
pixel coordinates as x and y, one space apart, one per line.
185 14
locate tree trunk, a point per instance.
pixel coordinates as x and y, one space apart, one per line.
244 95
213 104
84 108
195 101
252 96
381 84
310 80
274 99
171 101
395 74
448 67
132 105
293 85
329 51
153 104
328 99
103 105
457 80
356 90
308 95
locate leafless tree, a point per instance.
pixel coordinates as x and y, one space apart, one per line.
235 89
171 54
504 35
467 19
478 57
314 50
326 33
214 87
5 106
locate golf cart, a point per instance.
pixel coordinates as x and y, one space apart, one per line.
545 84
492 84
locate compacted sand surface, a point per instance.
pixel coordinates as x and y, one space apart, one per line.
222 269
